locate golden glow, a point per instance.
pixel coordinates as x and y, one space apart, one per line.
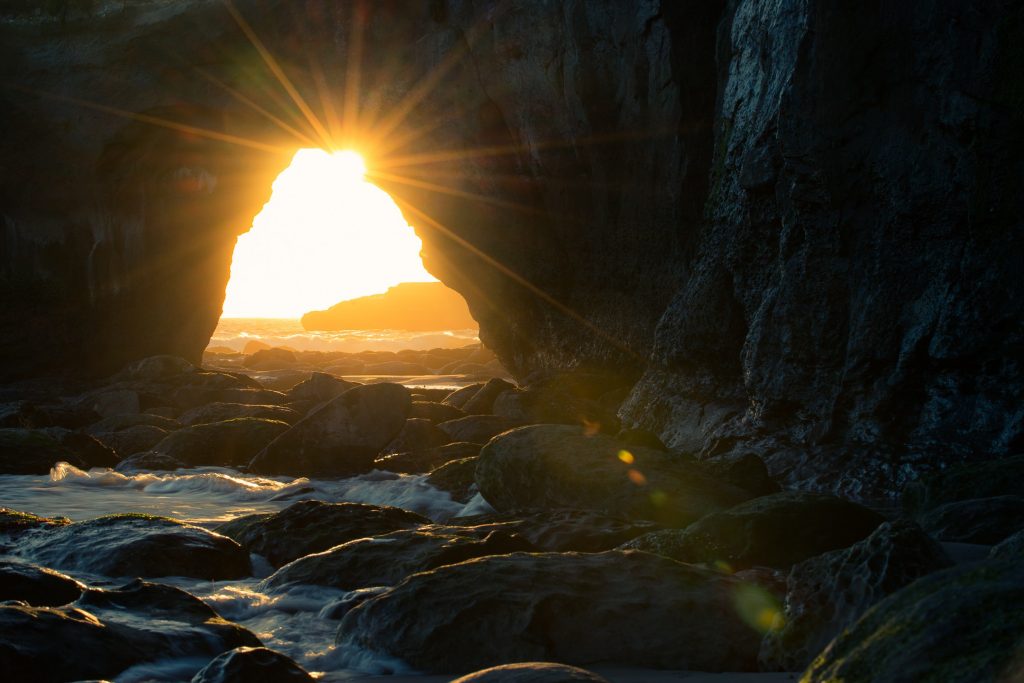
626 457
325 236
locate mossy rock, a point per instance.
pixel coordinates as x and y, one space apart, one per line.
961 625
771 531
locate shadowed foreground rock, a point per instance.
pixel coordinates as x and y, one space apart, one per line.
986 521
385 560
342 437
632 608
772 531
136 545
311 526
107 631
558 466
532 672
37 586
252 665
582 531
230 443
1001 477
828 593
961 625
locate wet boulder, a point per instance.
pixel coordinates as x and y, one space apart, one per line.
631 608
132 440
959 625
117 423
136 545
148 460
551 405
230 443
252 665
984 521
560 466
771 531
435 412
417 434
386 560
37 586
342 437
219 412
311 526
33 451
828 593
271 359
319 387
459 397
107 631
456 477
14 523
477 428
565 530
482 401
414 462
532 672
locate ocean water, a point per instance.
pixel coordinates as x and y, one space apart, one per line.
235 333
295 621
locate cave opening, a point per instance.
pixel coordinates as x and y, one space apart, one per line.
330 264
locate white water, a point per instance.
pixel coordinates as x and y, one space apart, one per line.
294 621
235 333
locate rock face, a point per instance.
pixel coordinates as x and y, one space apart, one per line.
772 531
311 526
960 625
341 437
631 608
136 545
821 200
556 466
828 593
408 306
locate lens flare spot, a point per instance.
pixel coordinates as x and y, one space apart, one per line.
637 477
626 457
758 608
659 499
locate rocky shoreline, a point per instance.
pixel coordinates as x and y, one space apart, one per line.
591 545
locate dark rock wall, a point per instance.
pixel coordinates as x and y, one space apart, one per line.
854 311
820 202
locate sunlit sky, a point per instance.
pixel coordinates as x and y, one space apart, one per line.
325 236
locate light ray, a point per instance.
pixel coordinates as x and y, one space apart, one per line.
280 123
519 279
279 73
517 148
353 73
444 189
156 121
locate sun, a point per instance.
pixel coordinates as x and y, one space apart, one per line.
325 236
